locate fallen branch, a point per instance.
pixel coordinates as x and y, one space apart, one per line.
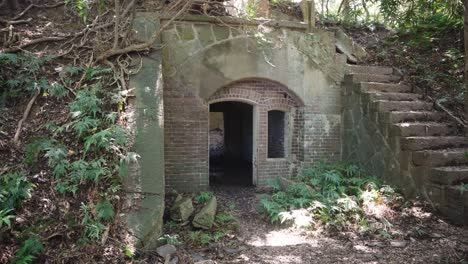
460 121
25 116
15 22
32 42
38 6
117 23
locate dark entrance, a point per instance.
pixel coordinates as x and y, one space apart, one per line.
231 143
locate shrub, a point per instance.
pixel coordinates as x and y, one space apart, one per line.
329 194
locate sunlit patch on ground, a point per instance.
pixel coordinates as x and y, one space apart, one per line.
281 238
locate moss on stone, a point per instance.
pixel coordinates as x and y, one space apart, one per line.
205 35
221 33
185 31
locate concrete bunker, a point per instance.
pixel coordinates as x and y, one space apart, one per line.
295 79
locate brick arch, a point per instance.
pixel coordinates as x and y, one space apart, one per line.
259 91
267 95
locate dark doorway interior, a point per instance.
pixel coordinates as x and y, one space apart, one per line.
231 141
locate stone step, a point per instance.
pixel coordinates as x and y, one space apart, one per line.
394 96
422 143
388 106
411 116
449 175
420 129
380 70
442 157
384 87
362 77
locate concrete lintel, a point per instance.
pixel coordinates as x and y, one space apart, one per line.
226 20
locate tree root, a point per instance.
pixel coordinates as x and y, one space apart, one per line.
38 6
25 116
142 46
32 42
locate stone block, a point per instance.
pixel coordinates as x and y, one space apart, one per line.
185 31
205 218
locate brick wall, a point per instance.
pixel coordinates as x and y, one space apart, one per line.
311 135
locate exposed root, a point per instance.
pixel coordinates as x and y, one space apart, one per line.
25 116
33 42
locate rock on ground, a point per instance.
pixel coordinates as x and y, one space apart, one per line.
166 250
205 218
182 209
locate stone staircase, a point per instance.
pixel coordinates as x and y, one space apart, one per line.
399 136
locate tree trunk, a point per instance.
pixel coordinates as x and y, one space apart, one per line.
344 8
364 6
465 2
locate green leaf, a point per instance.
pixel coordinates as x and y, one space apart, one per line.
105 210
85 124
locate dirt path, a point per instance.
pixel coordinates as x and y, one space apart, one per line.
258 241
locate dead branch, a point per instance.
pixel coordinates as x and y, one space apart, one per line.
37 6
25 116
33 42
15 22
117 23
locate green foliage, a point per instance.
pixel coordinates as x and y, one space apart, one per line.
36 146
251 9
14 188
128 252
204 238
170 239
23 74
93 228
105 210
107 139
87 102
83 8
328 194
87 150
224 224
462 188
224 218
5 217
274 184
85 125
416 13
28 251
204 197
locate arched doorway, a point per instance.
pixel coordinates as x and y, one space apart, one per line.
231 143
254 133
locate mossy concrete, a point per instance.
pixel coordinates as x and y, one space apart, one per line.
145 182
199 57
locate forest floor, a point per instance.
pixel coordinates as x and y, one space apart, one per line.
431 66
416 235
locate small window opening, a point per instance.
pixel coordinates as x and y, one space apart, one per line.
276 134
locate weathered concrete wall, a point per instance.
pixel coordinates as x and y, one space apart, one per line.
145 182
366 139
203 55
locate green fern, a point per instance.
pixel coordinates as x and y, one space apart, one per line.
84 125
8 58
33 149
16 189
28 251
105 139
105 210
204 197
57 90
87 102
5 217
